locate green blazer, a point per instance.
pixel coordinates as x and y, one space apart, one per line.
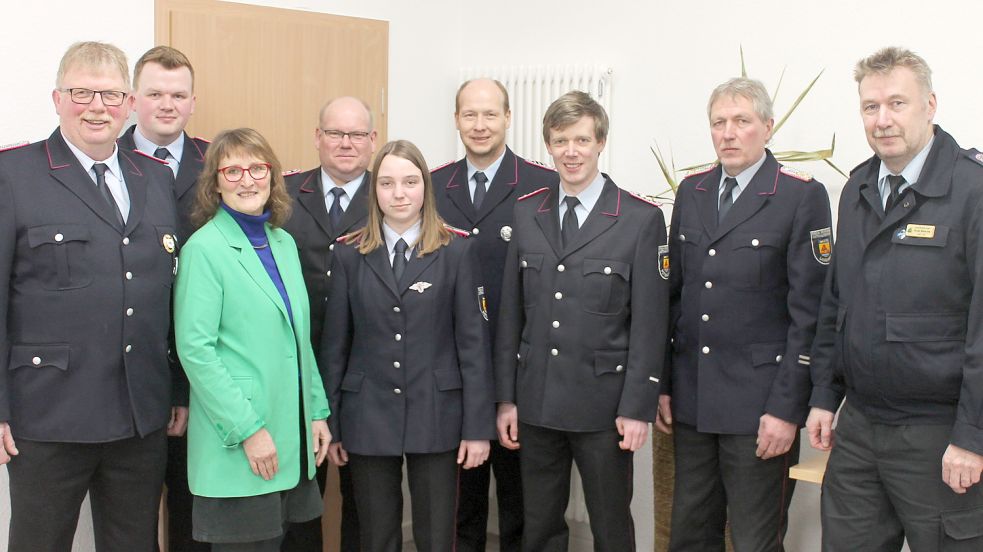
241 355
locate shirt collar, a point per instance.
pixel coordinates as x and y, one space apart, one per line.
175 148
913 169
490 171
350 187
112 161
410 236
745 176
589 195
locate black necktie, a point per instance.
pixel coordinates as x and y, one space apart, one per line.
727 200
894 181
570 225
479 189
336 212
101 169
161 153
399 259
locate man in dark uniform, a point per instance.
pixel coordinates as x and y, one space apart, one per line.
478 193
330 202
581 335
899 329
87 259
164 99
750 242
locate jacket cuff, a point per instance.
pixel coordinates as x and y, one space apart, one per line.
967 436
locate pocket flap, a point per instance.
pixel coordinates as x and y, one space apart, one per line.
447 379
909 235
531 260
766 353
57 233
610 362
759 239
917 327
601 266
963 524
352 381
39 356
245 383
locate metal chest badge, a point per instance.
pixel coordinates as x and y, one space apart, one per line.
664 261
169 243
420 286
483 303
506 233
822 244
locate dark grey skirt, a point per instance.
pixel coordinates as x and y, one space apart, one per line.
254 518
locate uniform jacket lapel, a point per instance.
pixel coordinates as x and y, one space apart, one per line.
603 216
136 186
501 188
66 169
548 219
707 199
763 185
414 268
311 198
356 210
378 261
192 161
458 191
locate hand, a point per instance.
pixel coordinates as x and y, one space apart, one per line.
961 468
820 429
261 453
7 447
179 421
634 432
508 425
472 454
664 420
337 454
775 436
322 437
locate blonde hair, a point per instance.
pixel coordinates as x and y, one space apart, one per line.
569 108
244 141
93 55
433 233
886 59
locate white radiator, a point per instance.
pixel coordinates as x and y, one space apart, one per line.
531 90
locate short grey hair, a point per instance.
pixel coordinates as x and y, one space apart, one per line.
750 89
887 59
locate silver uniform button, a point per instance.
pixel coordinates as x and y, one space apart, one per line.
706 350
755 242
560 268
708 285
129 311
556 323
396 364
705 318
558 296
398 337
395 309
778 358
474 231
607 270
619 368
59 236
682 237
331 247
129 275
128 348
126 241
524 264
554 352
397 390
329 274
712 252
36 361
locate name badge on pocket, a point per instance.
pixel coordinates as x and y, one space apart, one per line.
926 231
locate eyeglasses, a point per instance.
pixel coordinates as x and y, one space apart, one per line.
356 136
84 96
234 173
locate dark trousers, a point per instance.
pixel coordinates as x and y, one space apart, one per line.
377 482
48 482
606 474
472 511
719 477
884 483
307 536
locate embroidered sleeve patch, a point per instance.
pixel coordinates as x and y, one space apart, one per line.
822 245
664 261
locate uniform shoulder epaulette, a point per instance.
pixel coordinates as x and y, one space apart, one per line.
289 172
701 169
437 168
148 156
795 173
15 145
644 198
205 140
973 154
530 194
539 165
458 231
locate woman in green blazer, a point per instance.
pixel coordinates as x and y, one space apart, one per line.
256 429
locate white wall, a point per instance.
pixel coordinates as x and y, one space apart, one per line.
666 57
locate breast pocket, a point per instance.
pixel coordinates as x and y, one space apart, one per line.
605 287
758 261
689 241
531 265
60 253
